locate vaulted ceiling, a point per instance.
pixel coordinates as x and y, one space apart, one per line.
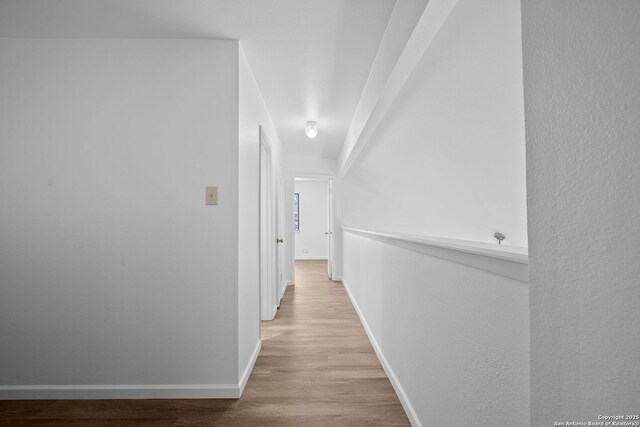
311 58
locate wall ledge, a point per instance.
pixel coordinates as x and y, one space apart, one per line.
504 260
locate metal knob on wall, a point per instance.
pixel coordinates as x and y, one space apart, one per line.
499 236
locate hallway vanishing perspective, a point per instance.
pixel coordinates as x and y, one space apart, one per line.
316 368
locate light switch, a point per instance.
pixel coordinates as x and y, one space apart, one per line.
212 196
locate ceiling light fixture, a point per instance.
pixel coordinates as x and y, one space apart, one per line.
311 130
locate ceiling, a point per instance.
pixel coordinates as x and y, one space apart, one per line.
311 58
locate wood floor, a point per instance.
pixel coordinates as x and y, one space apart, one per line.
316 368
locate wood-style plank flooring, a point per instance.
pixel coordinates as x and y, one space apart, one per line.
316 368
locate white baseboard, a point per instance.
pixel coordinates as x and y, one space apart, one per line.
282 291
147 391
150 391
404 400
247 371
310 258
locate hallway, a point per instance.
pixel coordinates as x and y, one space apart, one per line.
316 368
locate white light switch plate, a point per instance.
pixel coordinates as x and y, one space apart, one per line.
211 196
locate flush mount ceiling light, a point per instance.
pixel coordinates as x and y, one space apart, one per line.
311 130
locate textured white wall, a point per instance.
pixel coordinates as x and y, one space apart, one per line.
310 241
457 338
582 97
448 160
112 269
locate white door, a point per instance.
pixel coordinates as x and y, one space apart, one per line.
268 230
330 228
280 227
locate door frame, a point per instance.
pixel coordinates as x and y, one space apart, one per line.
280 227
331 202
269 218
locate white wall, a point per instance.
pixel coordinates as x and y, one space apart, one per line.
582 97
456 338
112 269
306 165
311 242
448 160
253 114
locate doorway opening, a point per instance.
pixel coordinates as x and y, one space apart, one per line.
313 220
